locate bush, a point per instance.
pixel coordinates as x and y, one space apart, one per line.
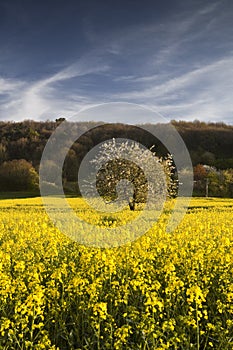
18 175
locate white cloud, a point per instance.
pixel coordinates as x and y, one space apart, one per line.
8 85
205 92
147 63
41 99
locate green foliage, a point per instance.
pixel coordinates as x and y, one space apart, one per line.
208 143
212 182
18 175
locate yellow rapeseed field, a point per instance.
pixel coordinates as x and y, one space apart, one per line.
163 291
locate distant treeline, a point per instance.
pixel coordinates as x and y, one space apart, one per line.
208 143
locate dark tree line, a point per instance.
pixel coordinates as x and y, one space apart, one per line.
208 143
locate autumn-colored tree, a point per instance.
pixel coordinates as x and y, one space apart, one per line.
200 177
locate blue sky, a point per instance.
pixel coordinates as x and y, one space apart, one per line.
58 56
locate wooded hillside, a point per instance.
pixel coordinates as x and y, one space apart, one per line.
208 143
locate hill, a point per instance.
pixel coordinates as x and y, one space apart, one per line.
208 143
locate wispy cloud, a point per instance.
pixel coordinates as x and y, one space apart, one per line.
42 98
182 65
205 92
211 74
8 85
